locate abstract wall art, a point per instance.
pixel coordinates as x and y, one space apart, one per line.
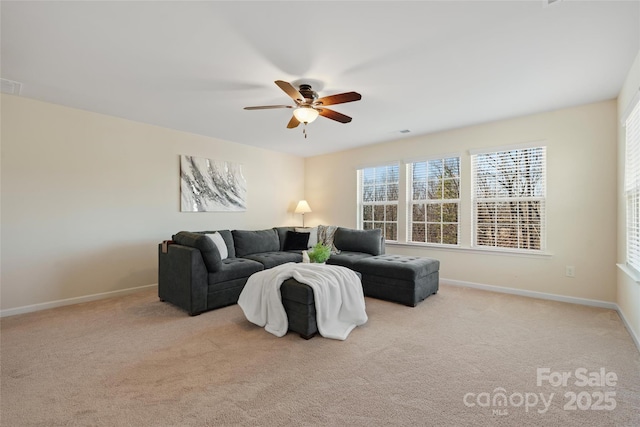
211 186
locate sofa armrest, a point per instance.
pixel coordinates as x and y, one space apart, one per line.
182 278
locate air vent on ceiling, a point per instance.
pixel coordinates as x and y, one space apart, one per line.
10 87
547 3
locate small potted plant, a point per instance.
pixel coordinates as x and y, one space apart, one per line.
319 253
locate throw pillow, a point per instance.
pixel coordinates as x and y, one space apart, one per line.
325 236
220 244
313 235
296 241
367 241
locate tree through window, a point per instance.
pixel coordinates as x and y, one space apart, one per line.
434 201
378 199
509 192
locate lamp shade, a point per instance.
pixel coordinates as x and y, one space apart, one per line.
305 114
303 207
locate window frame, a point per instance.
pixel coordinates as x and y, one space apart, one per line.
524 204
426 201
361 203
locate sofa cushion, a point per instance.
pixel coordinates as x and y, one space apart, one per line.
232 269
282 234
348 259
273 259
254 242
296 241
205 245
367 241
398 266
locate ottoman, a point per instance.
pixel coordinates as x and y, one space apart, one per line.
299 304
403 279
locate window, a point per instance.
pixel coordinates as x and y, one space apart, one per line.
434 201
632 186
509 193
378 189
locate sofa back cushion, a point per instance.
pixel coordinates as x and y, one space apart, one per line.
282 235
254 242
367 241
208 249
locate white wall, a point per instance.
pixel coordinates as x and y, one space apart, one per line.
581 203
86 198
628 290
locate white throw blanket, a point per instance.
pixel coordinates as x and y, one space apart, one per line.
337 291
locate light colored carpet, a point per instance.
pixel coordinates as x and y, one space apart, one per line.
134 361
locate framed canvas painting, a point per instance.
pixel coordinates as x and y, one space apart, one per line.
209 185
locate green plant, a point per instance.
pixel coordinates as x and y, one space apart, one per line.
319 253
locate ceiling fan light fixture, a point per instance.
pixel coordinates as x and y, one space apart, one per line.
305 114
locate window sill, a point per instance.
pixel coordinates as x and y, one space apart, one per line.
454 248
633 275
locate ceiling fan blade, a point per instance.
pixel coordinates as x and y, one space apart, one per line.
267 107
293 123
340 98
290 90
334 115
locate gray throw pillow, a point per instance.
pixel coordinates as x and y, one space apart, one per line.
367 241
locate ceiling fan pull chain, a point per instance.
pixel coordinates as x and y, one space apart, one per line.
304 131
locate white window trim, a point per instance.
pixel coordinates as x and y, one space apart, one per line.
478 250
509 147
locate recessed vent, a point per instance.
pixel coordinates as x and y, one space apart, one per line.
10 87
547 3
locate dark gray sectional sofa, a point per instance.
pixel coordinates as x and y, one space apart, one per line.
193 276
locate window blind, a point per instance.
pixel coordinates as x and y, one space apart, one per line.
632 186
509 196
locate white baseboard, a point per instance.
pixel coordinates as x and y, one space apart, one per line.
70 301
532 294
634 336
552 297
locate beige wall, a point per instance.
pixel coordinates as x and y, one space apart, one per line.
86 198
628 297
581 203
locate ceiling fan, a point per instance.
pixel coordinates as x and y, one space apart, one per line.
308 106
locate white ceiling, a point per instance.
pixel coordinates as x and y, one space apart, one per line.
425 66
